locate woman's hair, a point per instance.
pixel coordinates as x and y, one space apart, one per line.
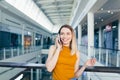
73 44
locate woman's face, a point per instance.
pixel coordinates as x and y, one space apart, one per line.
66 36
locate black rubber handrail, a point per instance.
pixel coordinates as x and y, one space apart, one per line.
103 69
100 47
21 65
42 66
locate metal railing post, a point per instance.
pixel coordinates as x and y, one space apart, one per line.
106 58
118 56
11 52
99 55
4 55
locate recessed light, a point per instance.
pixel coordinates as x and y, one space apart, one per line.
101 9
111 12
114 27
108 11
101 19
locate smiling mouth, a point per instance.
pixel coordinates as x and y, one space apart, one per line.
64 40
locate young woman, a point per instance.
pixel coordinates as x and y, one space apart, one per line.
63 57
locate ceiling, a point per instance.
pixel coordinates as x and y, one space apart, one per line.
109 9
60 11
57 11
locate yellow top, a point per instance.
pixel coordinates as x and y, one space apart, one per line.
64 69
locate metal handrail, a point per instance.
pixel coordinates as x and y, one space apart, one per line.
42 66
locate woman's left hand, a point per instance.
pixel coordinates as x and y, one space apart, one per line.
90 62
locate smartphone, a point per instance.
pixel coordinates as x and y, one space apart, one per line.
59 41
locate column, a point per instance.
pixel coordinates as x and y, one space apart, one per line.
23 38
79 35
33 39
90 20
34 43
100 42
42 41
119 35
0 16
32 36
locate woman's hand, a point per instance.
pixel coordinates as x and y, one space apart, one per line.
57 43
90 62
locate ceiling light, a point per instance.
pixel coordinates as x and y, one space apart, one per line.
111 12
108 11
101 19
95 22
101 9
114 26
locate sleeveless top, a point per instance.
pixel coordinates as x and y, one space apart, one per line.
64 69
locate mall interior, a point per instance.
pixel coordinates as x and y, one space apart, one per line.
29 27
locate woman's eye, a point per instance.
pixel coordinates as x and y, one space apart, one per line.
68 33
61 33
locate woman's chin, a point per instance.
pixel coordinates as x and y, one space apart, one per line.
65 43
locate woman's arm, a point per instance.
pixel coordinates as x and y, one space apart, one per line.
52 58
53 55
80 71
89 62
77 62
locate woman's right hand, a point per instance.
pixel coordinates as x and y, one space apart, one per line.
57 43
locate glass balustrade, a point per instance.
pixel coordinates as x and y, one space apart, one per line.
107 57
99 76
33 71
6 53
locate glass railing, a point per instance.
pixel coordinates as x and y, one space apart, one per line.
99 76
107 57
32 71
6 53
23 71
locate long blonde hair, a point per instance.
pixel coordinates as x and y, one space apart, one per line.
73 44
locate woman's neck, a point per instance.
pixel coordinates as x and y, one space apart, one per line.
67 45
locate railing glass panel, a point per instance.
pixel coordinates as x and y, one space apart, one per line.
6 53
32 71
24 73
107 57
99 76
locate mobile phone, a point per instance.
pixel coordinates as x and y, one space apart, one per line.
59 41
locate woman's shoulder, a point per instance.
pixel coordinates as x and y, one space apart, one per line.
78 53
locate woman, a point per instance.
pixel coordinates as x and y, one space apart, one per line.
63 57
